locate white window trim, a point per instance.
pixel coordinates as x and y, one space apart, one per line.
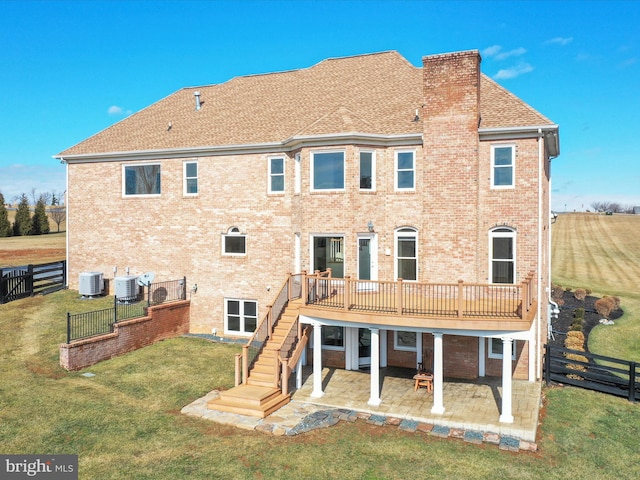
395 171
312 168
139 195
226 324
373 170
283 174
492 354
513 166
402 348
493 233
396 234
297 174
233 231
185 178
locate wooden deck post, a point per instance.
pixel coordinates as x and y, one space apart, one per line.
347 292
245 363
285 376
305 287
238 369
460 298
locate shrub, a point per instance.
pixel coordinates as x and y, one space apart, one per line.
574 340
557 292
577 326
588 290
578 313
604 306
568 289
616 302
580 294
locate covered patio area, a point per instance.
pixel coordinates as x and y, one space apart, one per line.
469 405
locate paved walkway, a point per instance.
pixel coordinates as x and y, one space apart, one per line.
471 408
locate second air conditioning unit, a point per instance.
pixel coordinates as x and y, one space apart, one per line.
126 287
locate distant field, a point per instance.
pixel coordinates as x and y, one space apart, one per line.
32 249
602 253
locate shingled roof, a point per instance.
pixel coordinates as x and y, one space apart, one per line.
366 94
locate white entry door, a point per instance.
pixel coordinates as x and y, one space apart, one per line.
367 260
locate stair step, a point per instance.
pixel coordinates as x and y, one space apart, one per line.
252 400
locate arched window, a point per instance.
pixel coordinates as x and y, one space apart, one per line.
234 242
406 242
502 255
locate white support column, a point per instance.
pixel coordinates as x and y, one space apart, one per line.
299 374
374 399
438 406
507 348
482 342
317 361
419 357
383 348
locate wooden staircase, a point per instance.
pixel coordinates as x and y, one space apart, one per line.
262 393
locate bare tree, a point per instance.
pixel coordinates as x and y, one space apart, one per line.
58 215
34 196
45 197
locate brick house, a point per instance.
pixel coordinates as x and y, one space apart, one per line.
405 209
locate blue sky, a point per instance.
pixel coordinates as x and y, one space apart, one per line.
69 69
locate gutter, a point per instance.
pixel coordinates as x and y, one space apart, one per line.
289 144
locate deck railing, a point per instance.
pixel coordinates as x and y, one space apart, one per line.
290 290
461 300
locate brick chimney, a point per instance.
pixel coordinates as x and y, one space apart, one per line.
451 112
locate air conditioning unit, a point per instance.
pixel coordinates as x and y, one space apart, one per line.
91 283
126 287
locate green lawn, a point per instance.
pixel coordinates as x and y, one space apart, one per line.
124 423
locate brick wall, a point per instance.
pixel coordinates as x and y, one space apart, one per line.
162 322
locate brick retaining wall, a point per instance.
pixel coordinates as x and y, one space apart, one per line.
162 322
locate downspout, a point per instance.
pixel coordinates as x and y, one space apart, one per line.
534 375
66 218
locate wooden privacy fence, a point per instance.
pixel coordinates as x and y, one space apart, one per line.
28 280
594 372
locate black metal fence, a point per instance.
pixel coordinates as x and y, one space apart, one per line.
594 372
28 280
99 322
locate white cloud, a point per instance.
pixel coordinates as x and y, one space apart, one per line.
513 72
562 41
116 110
495 52
491 51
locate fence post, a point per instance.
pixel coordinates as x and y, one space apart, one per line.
632 382
68 327
184 287
115 309
30 279
547 364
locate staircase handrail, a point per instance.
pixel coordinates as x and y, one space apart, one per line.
264 329
288 364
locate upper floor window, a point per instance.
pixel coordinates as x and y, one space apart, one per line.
406 253
142 179
190 178
405 170
276 175
502 170
367 171
327 171
234 242
503 255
